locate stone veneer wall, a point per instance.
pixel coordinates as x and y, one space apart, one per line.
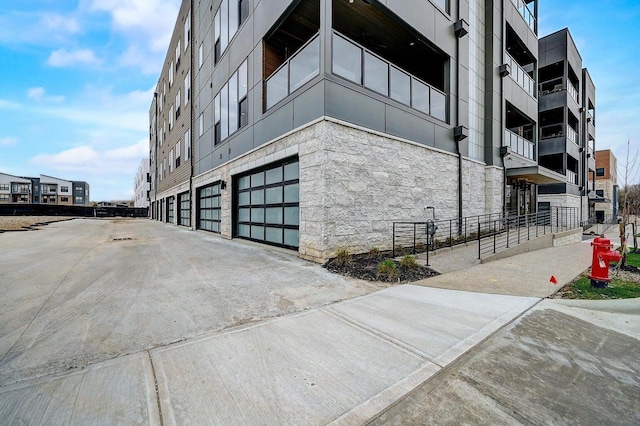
494 189
354 183
563 200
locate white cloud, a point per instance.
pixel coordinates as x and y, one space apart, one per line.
8 141
38 28
4 104
146 26
38 94
90 162
64 58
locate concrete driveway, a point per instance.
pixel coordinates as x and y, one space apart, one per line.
84 291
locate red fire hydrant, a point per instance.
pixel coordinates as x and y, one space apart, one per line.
602 255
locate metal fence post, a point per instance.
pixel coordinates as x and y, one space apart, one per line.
414 238
393 241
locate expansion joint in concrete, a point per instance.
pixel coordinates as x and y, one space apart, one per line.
155 383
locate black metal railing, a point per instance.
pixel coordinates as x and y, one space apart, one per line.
493 232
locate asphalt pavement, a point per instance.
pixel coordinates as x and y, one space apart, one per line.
307 347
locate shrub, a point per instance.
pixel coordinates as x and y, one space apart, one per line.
374 251
342 256
409 262
388 269
399 250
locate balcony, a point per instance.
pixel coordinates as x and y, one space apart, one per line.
520 76
519 145
572 177
527 15
573 92
572 135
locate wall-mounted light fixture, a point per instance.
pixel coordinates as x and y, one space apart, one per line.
223 185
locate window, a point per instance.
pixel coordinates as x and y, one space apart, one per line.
600 171
4 186
4 197
200 53
600 192
228 18
187 144
171 117
230 105
64 199
78 200
187 30
64 189
170 161
178 50
178 100
200 125
25 187
187 88
79 189
171 74
170 209
178 154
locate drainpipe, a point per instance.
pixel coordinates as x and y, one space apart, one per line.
460 132
155 157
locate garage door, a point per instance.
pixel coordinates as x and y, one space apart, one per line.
209 207
267 204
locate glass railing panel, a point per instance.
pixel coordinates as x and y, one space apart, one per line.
572 135
519 75
519 145
526 14
438 104
277 86
572 91
305 65
572 177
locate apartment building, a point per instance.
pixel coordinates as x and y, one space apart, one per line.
141 185
170 128
606 186
566 124
315 124
42 190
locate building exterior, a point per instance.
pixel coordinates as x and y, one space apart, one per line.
142 185
566 124
606 186
315 124
170 128
42 190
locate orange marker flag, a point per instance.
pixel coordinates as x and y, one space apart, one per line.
553 280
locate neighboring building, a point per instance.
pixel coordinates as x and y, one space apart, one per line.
42 190
606 184
566 124
14 189
170 128
142 185
318 123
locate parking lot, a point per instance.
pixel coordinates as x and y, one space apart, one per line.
88 290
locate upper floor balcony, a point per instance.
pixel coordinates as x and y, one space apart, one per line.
519 75
524 7
520 145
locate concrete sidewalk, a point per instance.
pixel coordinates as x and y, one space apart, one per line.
411 354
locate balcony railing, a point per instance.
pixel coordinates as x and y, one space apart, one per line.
572 135
573 92
520 75
572 177
519 145
527 15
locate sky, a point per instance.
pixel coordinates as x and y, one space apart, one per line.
77 80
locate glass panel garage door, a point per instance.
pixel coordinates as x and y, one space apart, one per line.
185 209
170 207
209 208
268 206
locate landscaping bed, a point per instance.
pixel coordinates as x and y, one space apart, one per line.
378 266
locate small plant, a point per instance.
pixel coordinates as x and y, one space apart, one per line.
388 269
342 256
420 247
399 250
409 262
374 252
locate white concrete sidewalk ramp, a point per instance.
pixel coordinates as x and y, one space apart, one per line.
341 364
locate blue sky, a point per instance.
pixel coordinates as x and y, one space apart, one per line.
77 79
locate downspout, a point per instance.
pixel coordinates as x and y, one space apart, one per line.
502 117
191 85
461 28
155 157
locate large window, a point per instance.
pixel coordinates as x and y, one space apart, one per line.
600 171
384 78
267 204
185 209
230 105
209 207
299 69
229 16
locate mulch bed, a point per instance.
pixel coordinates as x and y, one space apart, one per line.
365 266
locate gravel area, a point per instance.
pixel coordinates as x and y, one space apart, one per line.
17 223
